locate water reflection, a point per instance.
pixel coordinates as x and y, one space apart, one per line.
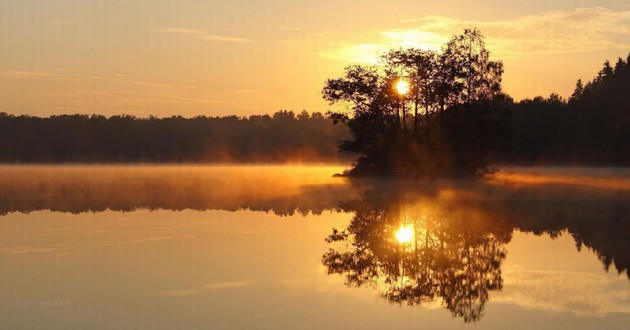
282 190
445 244
451 252
413 257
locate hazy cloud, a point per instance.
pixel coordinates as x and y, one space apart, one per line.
581 30
361 53
32 75
204 35
118 99
205 288
582 294
577 31
50 75
26 249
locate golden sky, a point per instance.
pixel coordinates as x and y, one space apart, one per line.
220 57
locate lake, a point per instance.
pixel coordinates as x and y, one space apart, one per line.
292 247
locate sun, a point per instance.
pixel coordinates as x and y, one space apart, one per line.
405 234
402 87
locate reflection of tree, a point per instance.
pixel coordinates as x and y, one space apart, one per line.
596 216
595 219
446 261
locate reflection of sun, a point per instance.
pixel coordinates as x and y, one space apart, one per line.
404 234
402 87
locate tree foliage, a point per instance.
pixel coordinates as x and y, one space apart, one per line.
446 123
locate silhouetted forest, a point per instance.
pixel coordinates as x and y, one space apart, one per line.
442 130
282 137
451 117
591 128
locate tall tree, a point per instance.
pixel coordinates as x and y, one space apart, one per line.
460 78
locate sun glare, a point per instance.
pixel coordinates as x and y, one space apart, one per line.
402 87
404 234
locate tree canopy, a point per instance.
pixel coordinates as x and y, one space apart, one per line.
444 122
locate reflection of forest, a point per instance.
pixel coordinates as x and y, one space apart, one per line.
77 189
459 235
477 214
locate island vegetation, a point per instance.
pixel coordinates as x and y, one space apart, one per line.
424 113
427 113
420 113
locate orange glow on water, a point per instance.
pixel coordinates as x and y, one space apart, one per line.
603 180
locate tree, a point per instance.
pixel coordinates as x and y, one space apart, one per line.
578 91
459 84
476 77
590 129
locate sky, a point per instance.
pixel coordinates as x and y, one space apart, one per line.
244 57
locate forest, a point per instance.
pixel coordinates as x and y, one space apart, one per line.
591 128
282 137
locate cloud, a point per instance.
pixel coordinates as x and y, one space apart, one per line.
32 75
132 82
205 288
582 294
414 38
205 35
361 53
118 99
49 75
578 31
26 249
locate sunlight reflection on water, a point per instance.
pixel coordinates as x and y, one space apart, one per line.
166 247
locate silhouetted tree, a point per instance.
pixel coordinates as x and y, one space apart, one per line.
459 85
578 91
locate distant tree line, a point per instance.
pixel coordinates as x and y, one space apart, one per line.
455 116
282 137
592 127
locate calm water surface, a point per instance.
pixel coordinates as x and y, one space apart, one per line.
134 247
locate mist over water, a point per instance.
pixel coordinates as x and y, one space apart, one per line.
76 189
110 247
